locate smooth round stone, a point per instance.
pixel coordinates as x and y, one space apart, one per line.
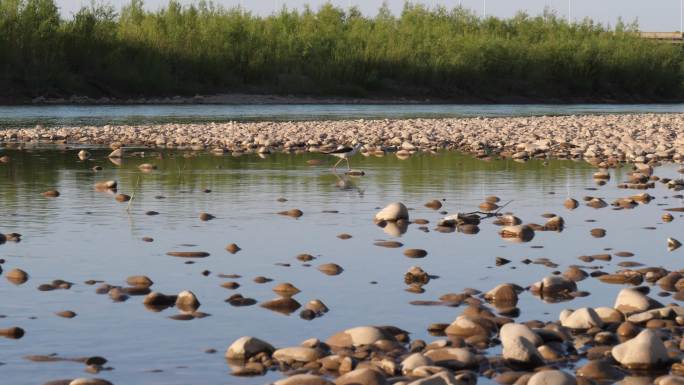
643 352
552 377
12 333
598 233
283 305
297 354
520 233
286 289
520 345
232 248
488 206
122 198
414 361
631 301
600 370
330 269
139 280
17 276
415 253
393 212
317 306
187 301
580 319
295 213
246 347
503 294
51 194
358 336
554 285
362 376
454 358
609 315
66 314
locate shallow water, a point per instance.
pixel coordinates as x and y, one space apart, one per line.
84 234
71 115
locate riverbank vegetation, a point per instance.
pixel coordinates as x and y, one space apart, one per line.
422 52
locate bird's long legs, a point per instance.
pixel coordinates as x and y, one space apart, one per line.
338 162
348 166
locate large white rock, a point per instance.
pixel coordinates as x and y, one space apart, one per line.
554 285
393 212
552 377
512 330
631 301
583 318
518 343
187 301
466 326
609 315
245 347
361 335
297 354
645 351
456 358
413 361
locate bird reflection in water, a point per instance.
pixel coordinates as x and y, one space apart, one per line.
345 183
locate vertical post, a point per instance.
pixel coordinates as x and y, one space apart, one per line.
484 9
570 10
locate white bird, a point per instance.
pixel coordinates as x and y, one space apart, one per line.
344 153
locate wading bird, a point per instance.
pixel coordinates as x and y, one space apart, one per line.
344 153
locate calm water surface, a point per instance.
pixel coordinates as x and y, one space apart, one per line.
85 235
68 115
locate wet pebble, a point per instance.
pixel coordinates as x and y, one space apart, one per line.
232 248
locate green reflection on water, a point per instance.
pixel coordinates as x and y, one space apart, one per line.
33 171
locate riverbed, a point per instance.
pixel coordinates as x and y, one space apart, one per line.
86 234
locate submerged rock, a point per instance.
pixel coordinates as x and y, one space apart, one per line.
522 233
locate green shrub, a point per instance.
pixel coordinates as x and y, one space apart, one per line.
204 48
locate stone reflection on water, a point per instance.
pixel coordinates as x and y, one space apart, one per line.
87 235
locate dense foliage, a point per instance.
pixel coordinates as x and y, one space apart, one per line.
205 48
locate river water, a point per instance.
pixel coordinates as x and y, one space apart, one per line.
84 234
72 115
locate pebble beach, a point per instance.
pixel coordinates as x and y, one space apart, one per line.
608 139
